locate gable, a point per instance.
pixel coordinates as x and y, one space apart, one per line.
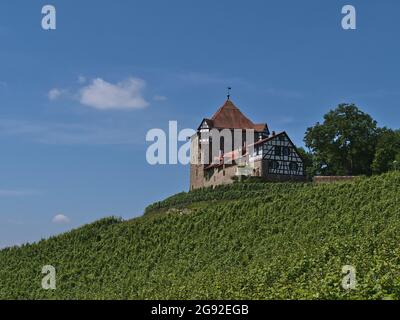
206 124
284 144
280 155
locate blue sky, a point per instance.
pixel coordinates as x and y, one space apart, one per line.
76 103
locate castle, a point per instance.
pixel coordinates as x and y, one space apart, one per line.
230 145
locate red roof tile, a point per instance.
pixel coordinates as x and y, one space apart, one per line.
230 117
260 127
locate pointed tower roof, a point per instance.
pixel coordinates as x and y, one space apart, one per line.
230 117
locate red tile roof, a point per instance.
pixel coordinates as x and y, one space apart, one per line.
230 117
260 127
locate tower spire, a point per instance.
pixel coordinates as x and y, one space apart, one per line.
229 93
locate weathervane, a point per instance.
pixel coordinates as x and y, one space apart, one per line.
229 92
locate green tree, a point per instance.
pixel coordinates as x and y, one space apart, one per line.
344 144
387 150
396 163
308 159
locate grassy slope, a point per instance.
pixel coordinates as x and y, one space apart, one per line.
248 241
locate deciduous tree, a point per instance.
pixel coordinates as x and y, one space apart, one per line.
344 144
387 150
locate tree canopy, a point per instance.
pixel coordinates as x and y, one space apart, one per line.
349 142
387 152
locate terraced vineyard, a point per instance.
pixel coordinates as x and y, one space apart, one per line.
244 241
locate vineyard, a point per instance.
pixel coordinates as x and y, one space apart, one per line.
243 241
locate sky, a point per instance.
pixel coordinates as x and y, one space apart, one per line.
77 102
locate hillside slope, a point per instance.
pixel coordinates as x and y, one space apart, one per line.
245 241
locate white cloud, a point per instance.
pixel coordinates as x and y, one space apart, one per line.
160 98
124 95
55 93
61 219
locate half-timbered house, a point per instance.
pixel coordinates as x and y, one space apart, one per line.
230 145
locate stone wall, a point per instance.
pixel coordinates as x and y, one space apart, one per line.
196 176
220 175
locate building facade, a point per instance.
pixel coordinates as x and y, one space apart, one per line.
229 145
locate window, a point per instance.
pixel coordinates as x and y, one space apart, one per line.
222 144
278 151
274 165
293 166
286 151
